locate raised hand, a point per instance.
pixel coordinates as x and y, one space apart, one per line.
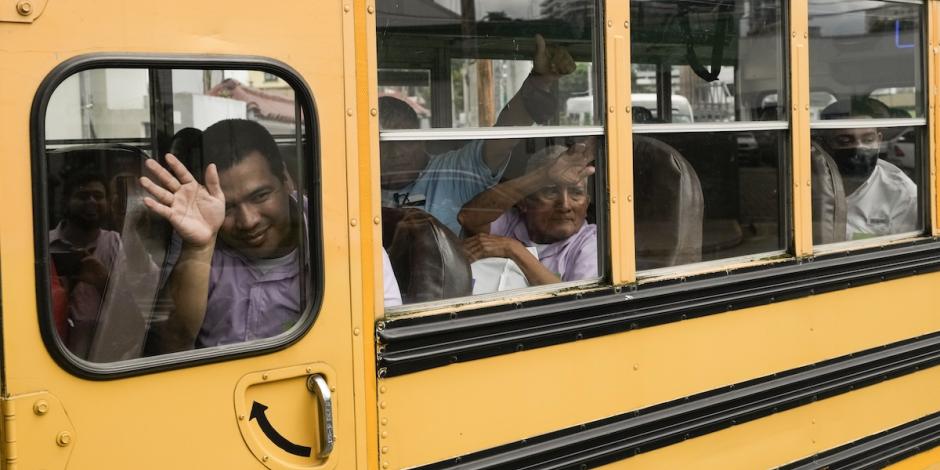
485 245
551 61
575 164
195 211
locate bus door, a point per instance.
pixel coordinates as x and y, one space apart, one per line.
174 295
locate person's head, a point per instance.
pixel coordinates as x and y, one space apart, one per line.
554 212
254 180
186 145
402 162
854 150
86 200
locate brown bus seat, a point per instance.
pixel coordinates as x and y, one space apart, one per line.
426 256
829 205
669 208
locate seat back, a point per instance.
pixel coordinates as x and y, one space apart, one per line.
426 256
829 204
669 208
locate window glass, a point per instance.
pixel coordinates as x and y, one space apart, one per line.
478 55
707 61
178 228
707 196
868 49
704 196
531 222
484 213
866 58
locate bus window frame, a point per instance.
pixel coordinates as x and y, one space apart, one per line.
311 155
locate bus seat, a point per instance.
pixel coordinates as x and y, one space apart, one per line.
426 256
669 207
829 205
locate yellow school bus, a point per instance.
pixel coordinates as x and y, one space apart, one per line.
469 234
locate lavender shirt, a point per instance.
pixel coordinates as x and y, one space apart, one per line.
572 259
246 303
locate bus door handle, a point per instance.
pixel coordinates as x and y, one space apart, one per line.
317 384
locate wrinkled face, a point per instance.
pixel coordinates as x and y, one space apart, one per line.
257 210
855 150
555 213
402 162
88 205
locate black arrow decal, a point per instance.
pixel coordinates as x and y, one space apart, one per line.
257 412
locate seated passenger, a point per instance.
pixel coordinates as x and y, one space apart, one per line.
441 184
83 253
237 274
545 208
881 199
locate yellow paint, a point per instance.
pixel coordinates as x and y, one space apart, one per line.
801 432
480 404
42 427
929 460
933 115
799 128
620 144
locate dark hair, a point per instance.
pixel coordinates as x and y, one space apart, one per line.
228 142
187 146
78 179
396 114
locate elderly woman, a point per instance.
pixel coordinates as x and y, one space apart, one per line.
545 209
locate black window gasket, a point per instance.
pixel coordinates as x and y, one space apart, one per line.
312 175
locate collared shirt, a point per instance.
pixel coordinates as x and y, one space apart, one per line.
450 180
885 204
247 303
572 259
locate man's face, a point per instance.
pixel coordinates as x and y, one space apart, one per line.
555 213
855 150
88 205
257 209
402 162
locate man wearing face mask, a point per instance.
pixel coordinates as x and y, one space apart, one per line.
880 198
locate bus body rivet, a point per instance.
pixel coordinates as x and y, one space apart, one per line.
610 23
374 112
626 24
383 405
371 9
382 389
377 220
385 450
384 464
636 367
264 376
41 407
349 112
629 198
356 332
384 421
384 434
346 8
310 370
610 109
353 222
63 439
24 8
241 417
265 458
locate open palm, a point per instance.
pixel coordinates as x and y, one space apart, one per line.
195 211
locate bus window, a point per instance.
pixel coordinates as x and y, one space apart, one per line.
176 209
868 140
709 178
498 213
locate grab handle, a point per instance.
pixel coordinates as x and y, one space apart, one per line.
317 384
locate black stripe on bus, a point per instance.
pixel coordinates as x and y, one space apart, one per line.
414 344
623 436
879 450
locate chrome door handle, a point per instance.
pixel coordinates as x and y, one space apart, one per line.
317 384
